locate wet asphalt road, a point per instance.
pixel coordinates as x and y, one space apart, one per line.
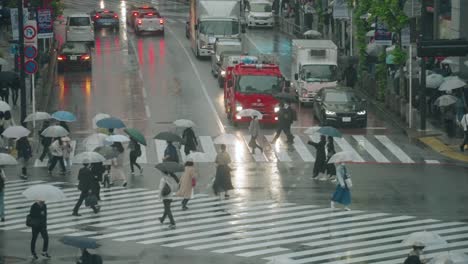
151 81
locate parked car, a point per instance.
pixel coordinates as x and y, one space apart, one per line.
105 18
79 28
340 106
74 55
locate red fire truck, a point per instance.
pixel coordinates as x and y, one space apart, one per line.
253 86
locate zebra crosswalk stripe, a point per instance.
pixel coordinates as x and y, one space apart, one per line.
371 149
345 146
398 152
302 150
280 149
258 156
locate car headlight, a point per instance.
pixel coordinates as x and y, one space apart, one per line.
331 113
223 73
363 112
276 109
238 107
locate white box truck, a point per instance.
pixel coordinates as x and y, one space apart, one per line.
314 66
211 19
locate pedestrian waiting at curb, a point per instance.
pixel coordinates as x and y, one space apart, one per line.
342 194
167 185
187 183
2 194
38 224
85 185
135 152
24 155
320 164
464 125
222 182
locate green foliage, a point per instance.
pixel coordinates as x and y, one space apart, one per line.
361 25
381 77
400 56
391 13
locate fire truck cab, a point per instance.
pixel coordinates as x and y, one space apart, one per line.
252 85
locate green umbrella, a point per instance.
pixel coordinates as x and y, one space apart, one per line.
135 134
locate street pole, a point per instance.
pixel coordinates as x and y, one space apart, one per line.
21 55
410 116
351 34
422 95
436 20
33 96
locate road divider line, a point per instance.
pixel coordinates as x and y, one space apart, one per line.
204 90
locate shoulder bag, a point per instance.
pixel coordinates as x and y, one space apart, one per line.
347 179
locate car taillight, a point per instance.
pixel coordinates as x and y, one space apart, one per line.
96 16
135 13
116 16
61 57
161 21
106 11
85 57
149 14
139 22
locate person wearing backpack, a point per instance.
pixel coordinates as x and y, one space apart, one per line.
135 152
24 154
167 185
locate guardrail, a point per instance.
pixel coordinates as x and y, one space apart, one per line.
288 26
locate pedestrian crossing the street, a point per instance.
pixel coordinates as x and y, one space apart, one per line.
252 229
368 149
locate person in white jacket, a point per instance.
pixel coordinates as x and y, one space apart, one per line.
464 124
56 151
167 186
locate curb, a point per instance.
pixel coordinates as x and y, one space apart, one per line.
440 147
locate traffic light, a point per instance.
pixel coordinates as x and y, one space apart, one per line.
443 48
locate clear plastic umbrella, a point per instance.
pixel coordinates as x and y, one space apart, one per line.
44 192
95 140
250 112
344 156
4 106
16 132
55 131
197 157
445 100
424 237
434 80
370 33
118 138
88 157
184 123
37 116
312 34
227 139
452 83
7 159
450 257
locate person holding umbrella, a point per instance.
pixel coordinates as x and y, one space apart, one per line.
38 220
190 140
320 161
414 257
170 153
2 194
167 185
117 171
97 170
464 125
24 154
285 119
222 182
56 150
135 152
45 141
67 150
254 131
331 169
187 183
342 193
85 185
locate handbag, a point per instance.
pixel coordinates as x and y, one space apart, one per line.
91 200
166 190
30 222
194 182
347 179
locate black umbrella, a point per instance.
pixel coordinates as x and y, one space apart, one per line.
169 136
8 77
170 166
285 97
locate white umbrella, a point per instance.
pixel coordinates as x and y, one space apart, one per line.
16 132
117 138
55 131
197 157
373 49
312 34
434 80
250 112
98 117
344 156
452 83
95 140
44 192
424 237
370 33
184 123
227 139
445 100
4 106
311 130
451 61
7 159
450 257
37 116
88 157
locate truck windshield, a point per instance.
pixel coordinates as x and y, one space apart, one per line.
260 7
258 84
219 28
229 49
319 73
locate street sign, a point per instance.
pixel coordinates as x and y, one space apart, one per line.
30 52
30 67
382 35
340 10
44 23
29 32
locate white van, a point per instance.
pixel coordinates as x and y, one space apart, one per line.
79 28
259 13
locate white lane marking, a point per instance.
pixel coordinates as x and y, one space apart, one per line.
11 182
344 145
160 146
144 92
302 150
142 159
373 151
280 149
22 185
208 148
263 252
277 239
205 93
432 161
400 154
147 110
38 163
82 233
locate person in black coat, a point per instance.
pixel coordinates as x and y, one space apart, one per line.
331 169
38 214
85 185
191 142
24 154
45 141
285 119
321 158
97 169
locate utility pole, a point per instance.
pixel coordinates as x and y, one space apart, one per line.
21 55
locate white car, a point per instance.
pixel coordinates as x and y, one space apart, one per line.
80 28
259 13
149 22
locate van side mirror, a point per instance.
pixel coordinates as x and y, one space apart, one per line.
296 76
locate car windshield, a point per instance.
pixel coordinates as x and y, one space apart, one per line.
260 7
258 84
219 27
79 21
341 97
319 73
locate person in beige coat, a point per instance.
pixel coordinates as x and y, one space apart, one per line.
187 184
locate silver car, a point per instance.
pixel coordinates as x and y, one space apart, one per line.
79 28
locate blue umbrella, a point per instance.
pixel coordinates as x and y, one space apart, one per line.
80 242
64 116
110 122
329 131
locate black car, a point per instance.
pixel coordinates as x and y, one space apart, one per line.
340 106
74 55
105 18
